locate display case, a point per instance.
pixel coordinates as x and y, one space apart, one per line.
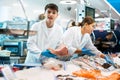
83 11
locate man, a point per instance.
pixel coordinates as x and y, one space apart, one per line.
48 34
107 43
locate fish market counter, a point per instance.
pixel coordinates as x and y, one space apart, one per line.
76 69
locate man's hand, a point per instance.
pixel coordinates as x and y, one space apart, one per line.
60 51
47 53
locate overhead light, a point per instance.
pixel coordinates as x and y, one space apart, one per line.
17 5
68 1
96 15
36 11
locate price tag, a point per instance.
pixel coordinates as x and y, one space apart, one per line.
8 73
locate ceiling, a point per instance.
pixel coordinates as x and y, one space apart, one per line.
36 7
115 4
105 9
33 8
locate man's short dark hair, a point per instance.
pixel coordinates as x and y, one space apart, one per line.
51 6
109 33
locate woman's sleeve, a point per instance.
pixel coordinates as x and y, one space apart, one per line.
91 46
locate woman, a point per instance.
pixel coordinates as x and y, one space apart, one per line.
77 38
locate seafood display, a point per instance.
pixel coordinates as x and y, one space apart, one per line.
81 68
93 67
52 64
96 75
